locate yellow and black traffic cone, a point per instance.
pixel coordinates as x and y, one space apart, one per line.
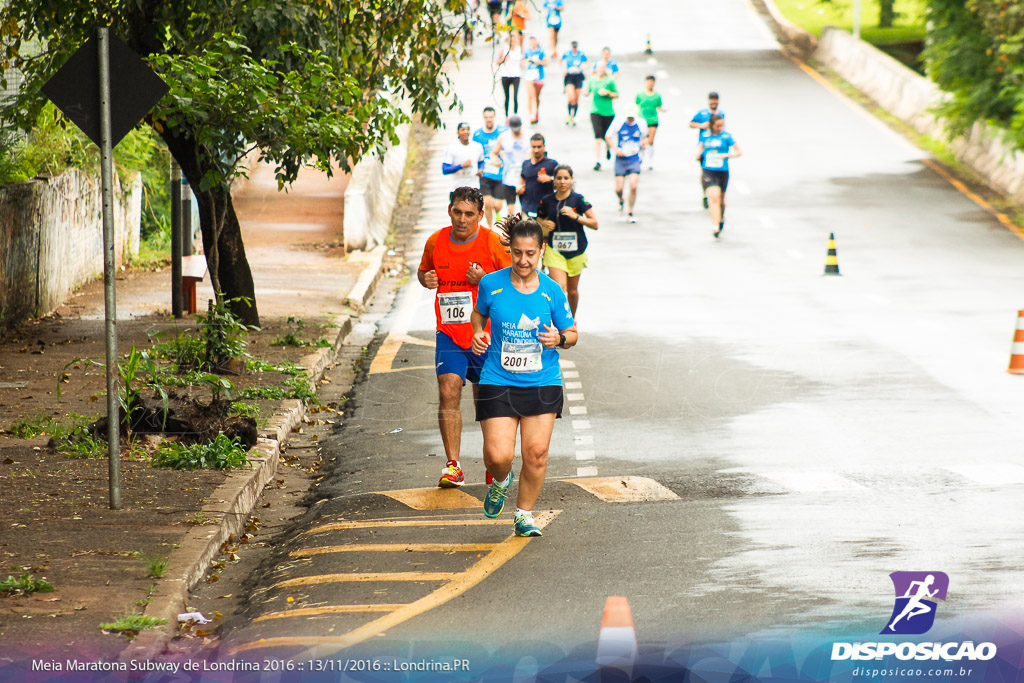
831 260
648 50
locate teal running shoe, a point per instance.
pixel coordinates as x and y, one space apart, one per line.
494 501
525 526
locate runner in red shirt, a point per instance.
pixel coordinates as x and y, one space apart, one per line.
454 260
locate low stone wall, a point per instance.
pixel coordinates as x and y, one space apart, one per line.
372 193
789 34
51 239
913 98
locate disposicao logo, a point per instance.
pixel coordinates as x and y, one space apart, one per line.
916 595
913 614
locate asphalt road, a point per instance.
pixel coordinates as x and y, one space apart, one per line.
810 434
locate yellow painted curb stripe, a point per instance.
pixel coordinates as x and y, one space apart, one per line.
398 547
459 584
385 357
931 163
337 526
327 609
974 197
433 498
365 577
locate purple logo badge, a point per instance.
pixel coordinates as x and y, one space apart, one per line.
916 595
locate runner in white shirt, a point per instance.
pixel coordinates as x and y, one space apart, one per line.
510 151
463 161
627 138
510 68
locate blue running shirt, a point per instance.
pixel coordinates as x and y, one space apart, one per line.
516 358
703 116
628 135
487 141
574 62
534 72
715 147
554 8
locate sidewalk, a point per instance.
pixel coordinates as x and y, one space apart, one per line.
54 510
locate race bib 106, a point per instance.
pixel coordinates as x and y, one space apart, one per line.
455 307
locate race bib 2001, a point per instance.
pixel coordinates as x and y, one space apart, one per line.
565 241
520 358
714 160
455 307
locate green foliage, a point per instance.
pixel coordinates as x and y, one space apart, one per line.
240 409
301 389
222 453
156 566
42 423
291 340
908 23
82 446
24 585
265 393
185 350
224 334
286 367
138 371
976 53
133 623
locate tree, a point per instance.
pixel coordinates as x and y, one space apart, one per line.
307 82
975 53
886 13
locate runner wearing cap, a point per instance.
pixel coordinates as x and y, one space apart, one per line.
563 215
535 60
554 10
602 111
700 121
649 102
574 62
536 177
520 383
454 260
463 161
510 151
714 153
490 181
627 136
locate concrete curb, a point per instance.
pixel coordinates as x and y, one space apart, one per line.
789 34
234 500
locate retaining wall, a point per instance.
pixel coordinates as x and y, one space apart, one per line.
51 239
372 193
912 98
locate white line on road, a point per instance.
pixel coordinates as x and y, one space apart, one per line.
570 374
586 471
577 410
581 424
573 385
584 455
583 440
566 364
990 474
574 397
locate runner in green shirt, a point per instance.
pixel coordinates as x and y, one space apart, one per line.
602 111
649 102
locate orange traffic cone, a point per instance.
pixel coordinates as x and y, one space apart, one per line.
831 259
616 645
1017 349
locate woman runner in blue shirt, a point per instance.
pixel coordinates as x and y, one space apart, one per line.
520 382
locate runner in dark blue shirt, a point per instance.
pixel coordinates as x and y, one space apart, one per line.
537 174
563 215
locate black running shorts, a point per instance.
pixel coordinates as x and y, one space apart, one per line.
601 125
496 401
714 178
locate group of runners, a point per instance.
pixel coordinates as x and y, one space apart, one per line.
500 319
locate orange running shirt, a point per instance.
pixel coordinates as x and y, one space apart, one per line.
451 261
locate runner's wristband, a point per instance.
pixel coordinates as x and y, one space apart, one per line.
561 340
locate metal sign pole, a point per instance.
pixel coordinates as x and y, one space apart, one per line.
177 296
856 19
107 177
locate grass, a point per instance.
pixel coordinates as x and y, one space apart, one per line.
222 453
813 16
133 623
41 423
154 250
156 566
291 340
83 447
24 585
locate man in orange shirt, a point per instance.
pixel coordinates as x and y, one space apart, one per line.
454 260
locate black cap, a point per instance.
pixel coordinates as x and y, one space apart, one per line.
712 95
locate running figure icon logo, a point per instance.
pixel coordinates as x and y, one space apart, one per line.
916 595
